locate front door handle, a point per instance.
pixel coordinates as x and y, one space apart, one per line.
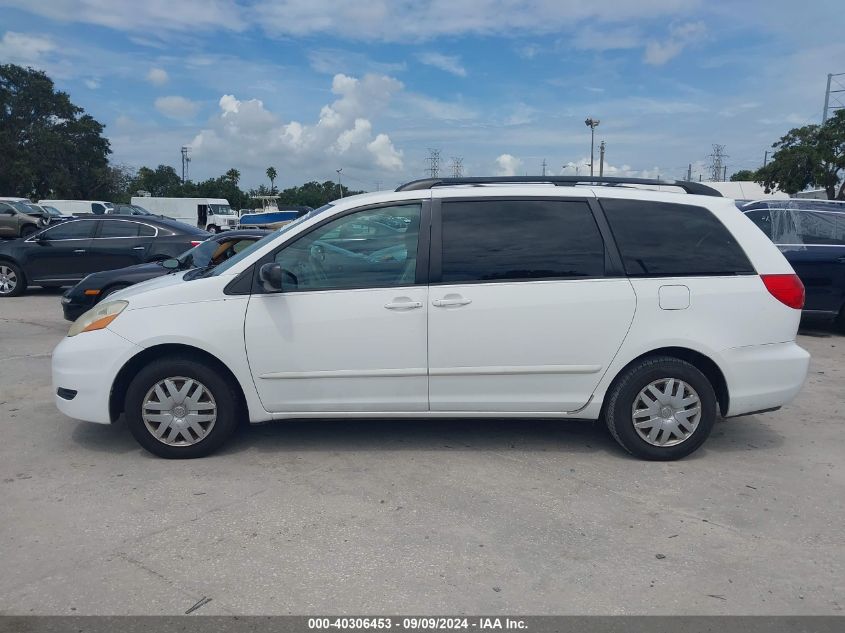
403 304
79 250
137 248
451 300
840 260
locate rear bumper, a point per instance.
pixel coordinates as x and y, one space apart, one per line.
763 377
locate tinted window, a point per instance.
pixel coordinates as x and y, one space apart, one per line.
819 227
118 229
661 239
495 240
355 251
763 219
145 230
97 208
69 231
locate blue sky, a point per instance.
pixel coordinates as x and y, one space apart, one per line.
310 86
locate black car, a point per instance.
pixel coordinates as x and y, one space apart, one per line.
63 254
96 286
813 241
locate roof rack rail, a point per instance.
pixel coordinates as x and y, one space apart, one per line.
559 181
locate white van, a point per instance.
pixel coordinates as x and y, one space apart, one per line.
72 207
211 214
471 297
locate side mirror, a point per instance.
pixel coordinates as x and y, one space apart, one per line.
271 277
171 264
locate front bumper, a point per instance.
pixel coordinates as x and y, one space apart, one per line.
764 377
88 364
73 307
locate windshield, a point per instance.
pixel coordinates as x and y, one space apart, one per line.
221 209
34 208
24 208
198 256
52 210
136 210
221 268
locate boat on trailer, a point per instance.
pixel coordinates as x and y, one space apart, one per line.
270 216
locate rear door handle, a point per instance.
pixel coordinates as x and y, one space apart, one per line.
138 248
450 301
79 250
399 304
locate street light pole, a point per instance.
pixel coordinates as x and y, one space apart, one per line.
339 186
592 124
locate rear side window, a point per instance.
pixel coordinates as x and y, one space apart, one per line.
674 240
819 227
77 230
145 230
500 240
118 228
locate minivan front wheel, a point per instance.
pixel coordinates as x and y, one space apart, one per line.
178 408
661 408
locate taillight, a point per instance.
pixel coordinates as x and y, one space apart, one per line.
196 242
787 289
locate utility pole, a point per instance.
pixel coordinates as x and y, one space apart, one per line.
838 88
339 186
186 162
457 166
378 185
689 172
601 159
725 173
433 162
592 124
765 157
544 167
717 162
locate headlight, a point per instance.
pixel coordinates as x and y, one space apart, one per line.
97 317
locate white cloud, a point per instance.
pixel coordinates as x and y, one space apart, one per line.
508 165
175 107
158 76
25 49
581 167
447 63
342 135
437 109
156 15
608 39
680 36
92 83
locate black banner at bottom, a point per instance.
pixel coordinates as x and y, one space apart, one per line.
422 624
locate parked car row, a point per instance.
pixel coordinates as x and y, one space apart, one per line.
63 254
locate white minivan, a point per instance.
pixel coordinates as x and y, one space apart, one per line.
655 311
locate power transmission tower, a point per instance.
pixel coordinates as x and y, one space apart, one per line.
433 161
186 164
544 167
838 88
457 166
717 163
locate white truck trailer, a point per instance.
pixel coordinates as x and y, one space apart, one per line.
211 214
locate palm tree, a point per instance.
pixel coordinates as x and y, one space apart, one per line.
271 174
233 175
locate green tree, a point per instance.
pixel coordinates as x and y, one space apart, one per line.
744 175
163 181
809 156
271 176
233 175
48 145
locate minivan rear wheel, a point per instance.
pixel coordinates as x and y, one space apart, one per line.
661 408
178 408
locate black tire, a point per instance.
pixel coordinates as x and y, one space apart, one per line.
626 388
213 228
28 230
15 282
222 391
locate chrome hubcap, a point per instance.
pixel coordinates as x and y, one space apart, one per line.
666 412
179 411
8 280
